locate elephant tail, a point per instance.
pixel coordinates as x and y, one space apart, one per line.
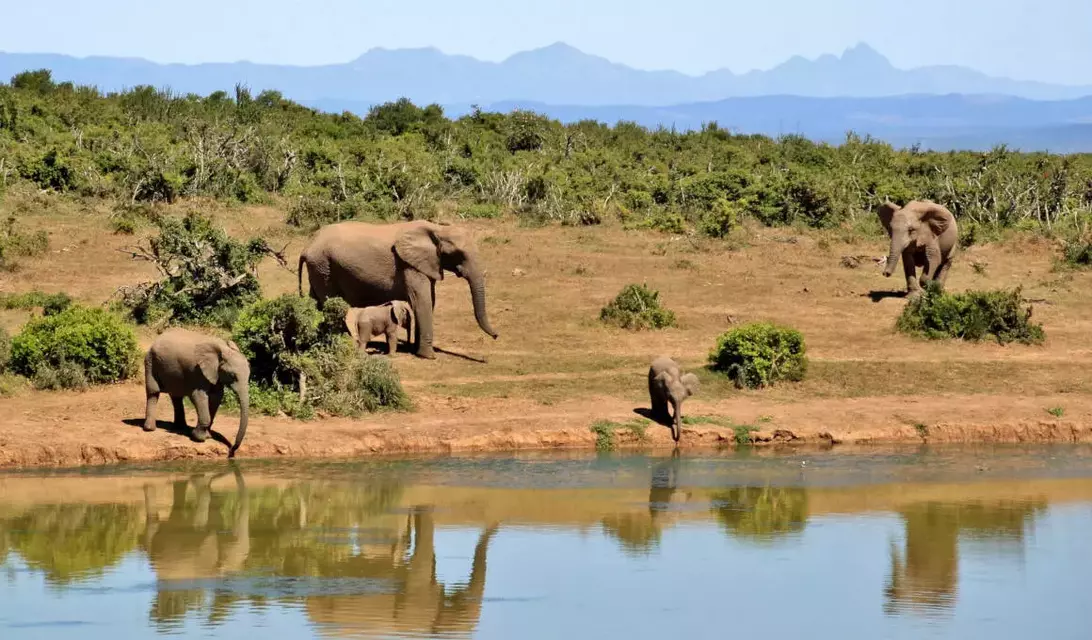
299 275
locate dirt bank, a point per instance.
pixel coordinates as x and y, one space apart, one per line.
556 370
102 427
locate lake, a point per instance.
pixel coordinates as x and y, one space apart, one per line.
911 542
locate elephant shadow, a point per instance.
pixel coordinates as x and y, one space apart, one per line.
879 296
645 412
175 429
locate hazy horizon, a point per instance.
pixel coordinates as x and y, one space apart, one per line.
1044 40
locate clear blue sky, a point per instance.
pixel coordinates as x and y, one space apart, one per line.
1046 40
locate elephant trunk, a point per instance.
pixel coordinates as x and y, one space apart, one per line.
476 281
242 391
899 242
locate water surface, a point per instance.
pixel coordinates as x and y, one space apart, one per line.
955 543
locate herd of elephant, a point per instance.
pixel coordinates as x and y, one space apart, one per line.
387 273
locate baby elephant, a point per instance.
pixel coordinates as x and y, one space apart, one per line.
364 323
185 363
667 384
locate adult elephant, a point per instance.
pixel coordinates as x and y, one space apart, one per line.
924 234
370 264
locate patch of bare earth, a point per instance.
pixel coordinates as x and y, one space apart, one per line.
555 369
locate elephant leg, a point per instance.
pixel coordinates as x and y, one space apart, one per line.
216 396
676 426
659 407
179 412
200 399
942 273
392 340
909 268
423 302
149 411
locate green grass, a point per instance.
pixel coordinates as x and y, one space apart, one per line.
606 432
1057 412
741 432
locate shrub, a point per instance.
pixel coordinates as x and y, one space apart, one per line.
637 307
49 303
208 275
74 348
16 243
972 315
1078 253
271 332
5 349
344 382
759 354
721 219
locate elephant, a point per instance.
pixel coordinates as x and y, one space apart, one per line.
924 234
204 538
369 264
184 363
380 320
668 385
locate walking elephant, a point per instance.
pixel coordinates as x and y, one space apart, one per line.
185 363
668 385
924 234
370 264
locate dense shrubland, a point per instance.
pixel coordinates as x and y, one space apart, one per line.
403 161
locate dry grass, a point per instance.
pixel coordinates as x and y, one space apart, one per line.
547 285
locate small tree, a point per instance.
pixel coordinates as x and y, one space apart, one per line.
208 276
759 354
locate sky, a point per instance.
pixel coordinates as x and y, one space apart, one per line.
1045 40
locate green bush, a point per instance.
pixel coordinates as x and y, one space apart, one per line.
208 275
49 303
759 354
74 348
16 243
637 307
972 315
1078 253
5 349
272 332
721 219
343 382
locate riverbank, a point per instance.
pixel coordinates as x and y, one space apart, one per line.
556 371
72 430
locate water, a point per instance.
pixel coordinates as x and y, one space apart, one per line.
902 543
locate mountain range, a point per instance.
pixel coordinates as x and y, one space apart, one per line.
822 98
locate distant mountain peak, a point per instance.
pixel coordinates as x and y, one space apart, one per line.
863 55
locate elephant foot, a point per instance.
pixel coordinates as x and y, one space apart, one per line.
427 354
149 426
200 434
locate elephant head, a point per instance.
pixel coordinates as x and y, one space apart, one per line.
918 225
433 248
223 363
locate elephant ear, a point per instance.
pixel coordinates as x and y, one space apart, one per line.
886 212
936 216
690 381
208 361
419 247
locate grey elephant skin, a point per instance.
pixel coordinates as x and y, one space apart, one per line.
370 264
668 385
184 363
381 320
924 234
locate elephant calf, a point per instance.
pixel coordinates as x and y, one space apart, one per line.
923 234
364 323
668 385
185 363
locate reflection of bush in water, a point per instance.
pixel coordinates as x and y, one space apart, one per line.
924 577
72 542
637 532
761 512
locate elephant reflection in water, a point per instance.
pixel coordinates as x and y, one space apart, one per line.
925 578
640 533
188 546
419 604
